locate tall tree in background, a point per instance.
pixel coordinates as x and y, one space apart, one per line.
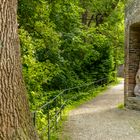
15 118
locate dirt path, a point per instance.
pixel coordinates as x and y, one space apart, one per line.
100 119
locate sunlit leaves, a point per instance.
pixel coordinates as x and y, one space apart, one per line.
59 51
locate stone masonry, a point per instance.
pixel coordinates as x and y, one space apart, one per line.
132 52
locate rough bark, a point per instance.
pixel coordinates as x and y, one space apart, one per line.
15 117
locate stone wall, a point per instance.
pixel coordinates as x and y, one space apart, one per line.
132 46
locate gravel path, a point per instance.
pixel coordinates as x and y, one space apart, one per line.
100 119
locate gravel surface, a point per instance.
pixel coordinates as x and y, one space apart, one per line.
100 119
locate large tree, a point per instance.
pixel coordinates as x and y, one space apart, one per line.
15 117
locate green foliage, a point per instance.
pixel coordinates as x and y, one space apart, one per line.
121 106
59 52
68 43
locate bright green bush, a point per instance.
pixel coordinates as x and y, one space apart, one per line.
59 50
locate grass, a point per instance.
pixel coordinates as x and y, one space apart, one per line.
120 106
82 98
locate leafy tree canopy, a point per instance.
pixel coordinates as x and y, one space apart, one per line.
66 43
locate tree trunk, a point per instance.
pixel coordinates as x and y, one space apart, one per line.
15 117
84 17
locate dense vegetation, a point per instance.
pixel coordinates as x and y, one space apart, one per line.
66 43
